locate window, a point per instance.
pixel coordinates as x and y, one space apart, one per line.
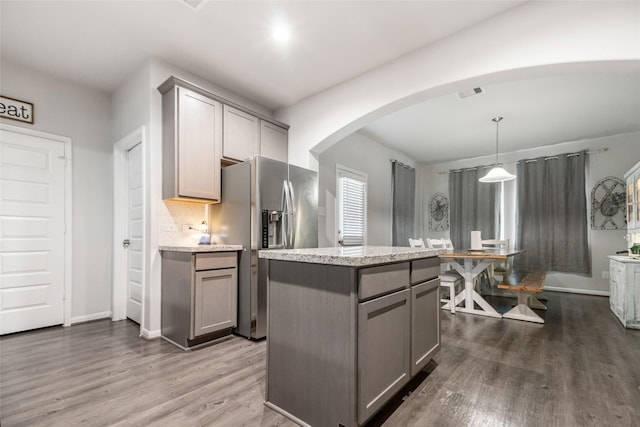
352 206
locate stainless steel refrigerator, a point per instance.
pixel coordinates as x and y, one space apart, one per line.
266 204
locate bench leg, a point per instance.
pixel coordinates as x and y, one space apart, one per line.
522 310
534 302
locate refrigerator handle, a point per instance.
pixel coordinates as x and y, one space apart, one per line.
293 225
285 214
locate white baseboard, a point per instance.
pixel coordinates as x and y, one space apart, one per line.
577 291
150 335
89 317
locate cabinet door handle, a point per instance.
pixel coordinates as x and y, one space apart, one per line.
126 243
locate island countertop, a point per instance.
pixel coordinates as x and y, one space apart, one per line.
201 248
353 256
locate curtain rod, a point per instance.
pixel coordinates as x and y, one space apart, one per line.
404 165
599 151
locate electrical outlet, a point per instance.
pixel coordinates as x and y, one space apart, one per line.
605 274
170 227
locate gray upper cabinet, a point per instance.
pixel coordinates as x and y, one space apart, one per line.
201 130
191 140
274 141
241 138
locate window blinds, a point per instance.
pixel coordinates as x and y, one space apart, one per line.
352 203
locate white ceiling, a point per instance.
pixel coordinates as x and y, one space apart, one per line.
535 113
100 43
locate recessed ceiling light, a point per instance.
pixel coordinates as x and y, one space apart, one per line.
281 34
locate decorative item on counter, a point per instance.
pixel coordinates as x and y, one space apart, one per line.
634 251
608 203
476 240
439 213
205 237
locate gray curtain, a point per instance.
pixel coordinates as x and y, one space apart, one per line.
474 206
552 214
404 203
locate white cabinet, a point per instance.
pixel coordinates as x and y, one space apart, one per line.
241 136
633 198
274 141
191 145
624 297
199 296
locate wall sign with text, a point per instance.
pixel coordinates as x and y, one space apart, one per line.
15 109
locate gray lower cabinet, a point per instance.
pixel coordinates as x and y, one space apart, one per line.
199 296
425 313
343 340
383 350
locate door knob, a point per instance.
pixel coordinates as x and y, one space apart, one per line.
126 243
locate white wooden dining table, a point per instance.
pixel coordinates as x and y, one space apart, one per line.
470 263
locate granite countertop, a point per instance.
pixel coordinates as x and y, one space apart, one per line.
353 256
623 258
201 248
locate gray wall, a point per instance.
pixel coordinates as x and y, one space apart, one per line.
623 152
83 114
362 153
136 103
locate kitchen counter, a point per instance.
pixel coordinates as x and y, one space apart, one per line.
352 256
622 258
201 248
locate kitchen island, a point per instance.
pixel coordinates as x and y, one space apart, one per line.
347 329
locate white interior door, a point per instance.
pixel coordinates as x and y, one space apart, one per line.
32 231
135 226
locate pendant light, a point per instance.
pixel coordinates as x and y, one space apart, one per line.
497 174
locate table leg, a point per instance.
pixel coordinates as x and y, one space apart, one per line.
470 272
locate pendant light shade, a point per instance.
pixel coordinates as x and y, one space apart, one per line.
497 174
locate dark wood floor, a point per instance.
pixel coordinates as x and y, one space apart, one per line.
581 368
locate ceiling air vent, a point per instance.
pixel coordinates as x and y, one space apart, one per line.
193 3
470 92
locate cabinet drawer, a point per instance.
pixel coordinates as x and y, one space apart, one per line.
425 269
212 261
383 279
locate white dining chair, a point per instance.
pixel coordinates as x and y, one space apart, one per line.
449 279
499 269
416 243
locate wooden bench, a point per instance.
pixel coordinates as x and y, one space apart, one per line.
525 285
